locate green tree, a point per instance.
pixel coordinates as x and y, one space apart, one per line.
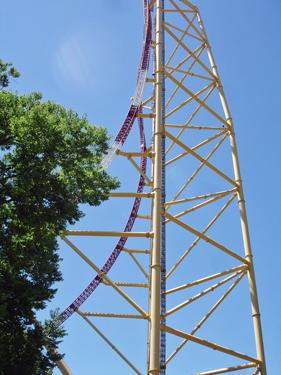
49 162
6 72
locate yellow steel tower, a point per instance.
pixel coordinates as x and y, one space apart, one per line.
190 294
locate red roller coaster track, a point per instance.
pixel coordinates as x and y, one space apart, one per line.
118 142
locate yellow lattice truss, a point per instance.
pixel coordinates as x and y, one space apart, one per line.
207 256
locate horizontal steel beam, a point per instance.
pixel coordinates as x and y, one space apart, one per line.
208 344
108 234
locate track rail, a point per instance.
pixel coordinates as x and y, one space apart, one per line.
116 145
136 103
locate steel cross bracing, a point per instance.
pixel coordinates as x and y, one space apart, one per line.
188 286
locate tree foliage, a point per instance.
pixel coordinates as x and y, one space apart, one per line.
6 72
49 162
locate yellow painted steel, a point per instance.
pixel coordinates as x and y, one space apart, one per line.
183 105
139 154
63 367
205 196
173 10
154 334
188 73
191 24
134 285
209 344
204 161
108 234
106 278
205 238
136 251
191 127
229 369
208 290
197 99
185 127
194 208
144 217
138 264
207 316
188 3
108 342
147 101
131 195
144 115
104 315
242 208
190 119
211 86
191 54
52 351
198 238
205 279
198 50
198 146
196 172
138 169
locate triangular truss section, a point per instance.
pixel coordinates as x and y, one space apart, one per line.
181 261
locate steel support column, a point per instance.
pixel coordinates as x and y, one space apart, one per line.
154 363
242 209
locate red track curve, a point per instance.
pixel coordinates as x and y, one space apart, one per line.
121 138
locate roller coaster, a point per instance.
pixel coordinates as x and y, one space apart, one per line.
189 159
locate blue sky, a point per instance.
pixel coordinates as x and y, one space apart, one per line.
85 55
